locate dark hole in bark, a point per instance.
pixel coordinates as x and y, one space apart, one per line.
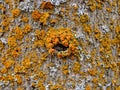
16 50
60 47
21 0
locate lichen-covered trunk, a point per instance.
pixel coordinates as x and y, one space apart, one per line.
59 44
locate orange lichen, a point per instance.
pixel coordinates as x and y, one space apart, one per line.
64 37
76 67
47 5
27 28
40 34
65 69
19 79
24 19
97 34
15 12
43 57
17 68
117 29
109 10
88 87
84 18
95 80
44 17
51 51
53 21
16 52
29 47
12 41
41 75
38 43
87 28
93 7
18 33
26 63
99 6
40 85
1 30
1 45
36 15
5 22
8 63
56 87
20 88
4 70
92 72
10 78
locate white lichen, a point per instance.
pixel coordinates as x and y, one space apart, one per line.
105 28
57 2
53 71
3 40
27 6
80 86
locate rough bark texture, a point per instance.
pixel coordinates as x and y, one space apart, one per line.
84 54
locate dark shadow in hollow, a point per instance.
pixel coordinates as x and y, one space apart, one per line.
60 47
